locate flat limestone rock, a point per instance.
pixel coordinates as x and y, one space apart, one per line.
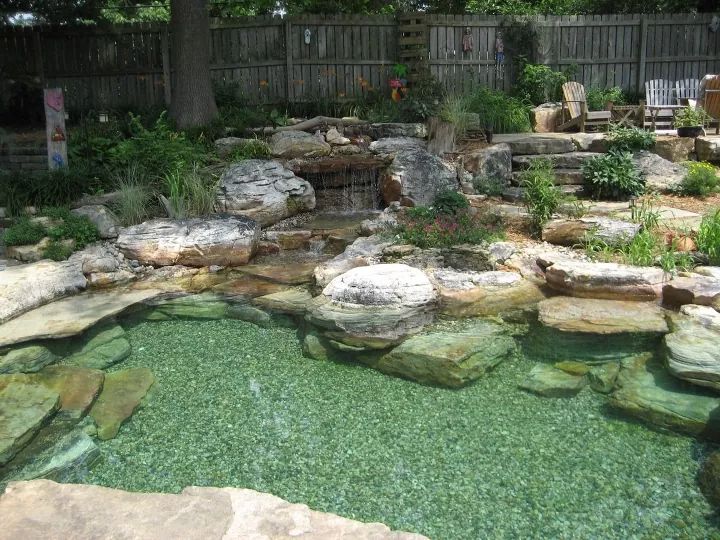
693 289
362 252
288 274
597 316
121 395
449 359
691 350
23 410
87 511
571 232
26 359
77 387
292 301
208 305
29 286
647 391
548 381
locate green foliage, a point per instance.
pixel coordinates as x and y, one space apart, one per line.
613 176
490 186
427 228
133 201
691 117
450 202
253 149
71 226
156 151
189 192
597 98
645 214
708 237
629 139
57 251
455 110
239 118
24 232
538 84
542 197
91 141
499 112
700 180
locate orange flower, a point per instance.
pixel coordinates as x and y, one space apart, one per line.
263 82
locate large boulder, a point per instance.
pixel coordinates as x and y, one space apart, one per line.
675 149
473 294
415 177
708 148
605 280
107 223
374 307
547 117
393 145
298 144
691 350
88 511
659 173
491 163
647 391
362 252
533 145
28 286
396 129
263 190
595 316
451 359
692 289
218 240
571 232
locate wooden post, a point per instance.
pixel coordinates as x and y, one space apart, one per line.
167 84
288 60
643 55
55 128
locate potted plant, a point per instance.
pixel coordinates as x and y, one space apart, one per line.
690 121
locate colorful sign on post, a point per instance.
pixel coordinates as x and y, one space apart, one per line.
55 128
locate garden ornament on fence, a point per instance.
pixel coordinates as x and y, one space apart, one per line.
307 36
467 41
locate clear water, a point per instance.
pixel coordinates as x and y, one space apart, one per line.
238 405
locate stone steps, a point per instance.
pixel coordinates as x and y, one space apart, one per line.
563 177
569 160
517 194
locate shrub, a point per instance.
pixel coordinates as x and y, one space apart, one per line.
133 201
490 186
253 149
630 139
426 228
700 180
691 117
91 141
57 251
450 202
613 176
24 232
542 197
501 113
538 83
708 237
71 226
597 98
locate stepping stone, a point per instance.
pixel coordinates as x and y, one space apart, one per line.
24 408
121 395
546 381
450 359
595 316
672 217
104 347
563 177
541 145
70 316
26 359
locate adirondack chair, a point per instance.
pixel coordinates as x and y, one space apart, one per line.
686 91
575 103
660 104
712 101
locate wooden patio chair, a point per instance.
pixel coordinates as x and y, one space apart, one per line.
711 103
686 91
575 103
660 104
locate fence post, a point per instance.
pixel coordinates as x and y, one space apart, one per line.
288 60
37 44
165 45
643 55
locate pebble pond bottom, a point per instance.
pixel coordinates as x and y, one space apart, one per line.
238 405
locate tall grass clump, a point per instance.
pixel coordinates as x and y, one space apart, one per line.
501 113
189 193
542 196
708 237
132 205
456 110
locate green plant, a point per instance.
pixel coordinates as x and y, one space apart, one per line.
499 112
691 117
597 98
455 110
645 214
672 260
450 202
708 236
538 83
133 197
612 176
642 249
71 226
426 228
190 193
252 149
700 180
57 251
24 232
542 197
491 186
629 139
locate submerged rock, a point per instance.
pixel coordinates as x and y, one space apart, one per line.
121 395
451 359
602 378
104 346
217 240
647 391
596 316
26 359
264 191
548 381
709 478
243 312
29 286
195 306
23 410
374 307
292 301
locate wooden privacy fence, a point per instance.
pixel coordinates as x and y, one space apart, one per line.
274 60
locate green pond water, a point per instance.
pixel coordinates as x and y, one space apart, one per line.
238 405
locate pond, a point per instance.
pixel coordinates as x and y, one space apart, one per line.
237 404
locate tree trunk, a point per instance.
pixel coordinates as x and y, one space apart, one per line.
192 100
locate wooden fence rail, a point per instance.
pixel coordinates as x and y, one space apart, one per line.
271 61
